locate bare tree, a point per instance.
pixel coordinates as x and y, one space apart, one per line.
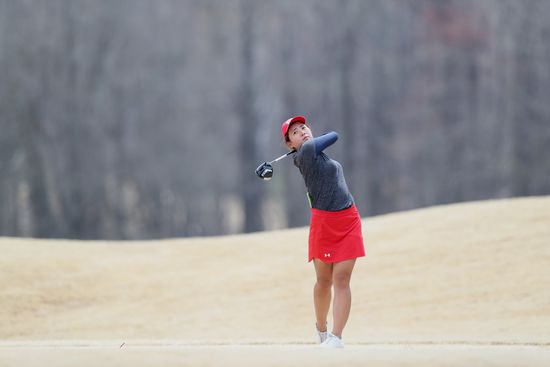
139 119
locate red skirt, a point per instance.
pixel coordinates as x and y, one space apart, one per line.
335 236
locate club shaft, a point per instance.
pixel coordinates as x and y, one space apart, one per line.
281 157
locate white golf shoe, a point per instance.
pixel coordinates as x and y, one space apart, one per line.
321 335
332 341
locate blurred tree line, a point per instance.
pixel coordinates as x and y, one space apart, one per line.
136 119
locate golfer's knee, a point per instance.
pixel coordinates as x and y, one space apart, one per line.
324 283
341 280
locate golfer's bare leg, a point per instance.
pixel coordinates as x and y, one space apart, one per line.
322 292
341 275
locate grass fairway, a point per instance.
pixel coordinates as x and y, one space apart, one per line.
463 284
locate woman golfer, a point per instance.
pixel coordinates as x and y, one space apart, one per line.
335 237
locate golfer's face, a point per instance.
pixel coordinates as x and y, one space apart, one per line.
299 134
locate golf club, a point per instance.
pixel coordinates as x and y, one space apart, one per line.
265 170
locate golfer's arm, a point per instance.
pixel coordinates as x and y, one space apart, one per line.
324 141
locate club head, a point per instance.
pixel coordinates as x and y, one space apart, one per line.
265 171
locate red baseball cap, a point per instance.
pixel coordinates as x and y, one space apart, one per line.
286 125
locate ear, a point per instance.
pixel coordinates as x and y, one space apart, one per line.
289 145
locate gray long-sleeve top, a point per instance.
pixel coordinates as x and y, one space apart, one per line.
323 176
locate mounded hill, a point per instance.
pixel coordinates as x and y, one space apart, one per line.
474 272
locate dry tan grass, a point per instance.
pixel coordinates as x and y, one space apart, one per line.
466 274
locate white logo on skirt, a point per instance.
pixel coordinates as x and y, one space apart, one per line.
327 255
